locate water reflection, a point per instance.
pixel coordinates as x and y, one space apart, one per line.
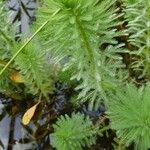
35 136
23 11
12 131
4 132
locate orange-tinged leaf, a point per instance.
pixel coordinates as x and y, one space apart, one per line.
17 77
29 114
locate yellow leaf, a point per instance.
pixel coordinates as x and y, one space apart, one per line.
17 77
29 114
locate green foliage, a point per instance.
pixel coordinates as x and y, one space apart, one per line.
6 32
76 36
128 110
138 18
81 42
73 133
33 65
6 41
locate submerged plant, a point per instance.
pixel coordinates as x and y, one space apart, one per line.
73 133
76 36
7 35
128 110
137 14
33 65
83 38
30 65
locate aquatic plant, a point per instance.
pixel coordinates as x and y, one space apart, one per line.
7 35
76 36
30 67
137 15
128 110
72 133
87 40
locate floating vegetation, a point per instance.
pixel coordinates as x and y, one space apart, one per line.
74 74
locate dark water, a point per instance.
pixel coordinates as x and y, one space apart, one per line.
11 129
35 136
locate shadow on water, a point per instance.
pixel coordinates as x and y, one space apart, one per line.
35 136
13 135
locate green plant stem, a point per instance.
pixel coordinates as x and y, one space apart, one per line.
90 52
85 40
27 42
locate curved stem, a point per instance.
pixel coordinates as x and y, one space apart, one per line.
27 42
